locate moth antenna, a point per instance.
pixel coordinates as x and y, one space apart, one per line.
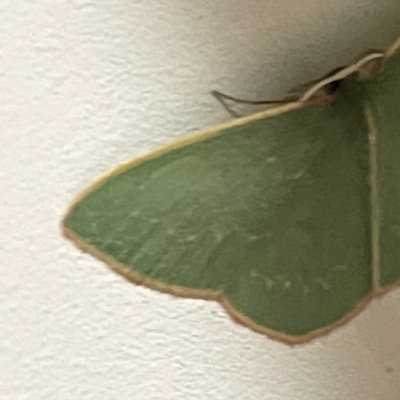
222 97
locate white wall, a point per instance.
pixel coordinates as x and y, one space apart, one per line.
85 85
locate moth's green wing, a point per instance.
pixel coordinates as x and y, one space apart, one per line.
270 216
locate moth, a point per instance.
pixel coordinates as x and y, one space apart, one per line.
289 218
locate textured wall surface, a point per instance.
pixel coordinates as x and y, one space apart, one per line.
85 85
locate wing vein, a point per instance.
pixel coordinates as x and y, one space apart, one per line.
375 200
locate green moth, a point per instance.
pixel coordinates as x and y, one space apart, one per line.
290 218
